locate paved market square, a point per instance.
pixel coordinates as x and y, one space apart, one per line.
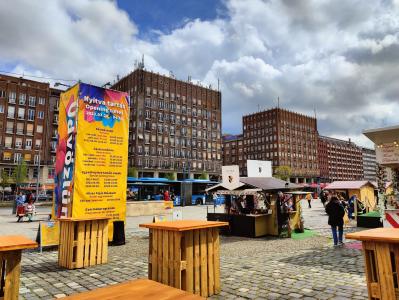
262 268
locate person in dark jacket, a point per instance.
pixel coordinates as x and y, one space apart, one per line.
336 212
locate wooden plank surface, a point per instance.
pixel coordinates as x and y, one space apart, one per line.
86 261
387 235
196 262
16 242
204 262
165 257
177 260
93 243
384 269
189 261
184 225
99 242
13 272
211 271
104 254
80 238
159 262
139 289
171 258
154 256
216 259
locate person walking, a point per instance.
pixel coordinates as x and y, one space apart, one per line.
323 198
336 212
309 198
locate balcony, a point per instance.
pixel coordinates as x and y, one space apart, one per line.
55 122
10 130
29 133
11 100
28 147
20 132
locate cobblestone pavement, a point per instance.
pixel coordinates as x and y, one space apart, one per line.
264 268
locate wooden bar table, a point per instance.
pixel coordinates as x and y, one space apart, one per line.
381 255
11 247
185 255
83 242
138 289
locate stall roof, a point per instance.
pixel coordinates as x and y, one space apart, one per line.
383 135
220 186
348 185
269 183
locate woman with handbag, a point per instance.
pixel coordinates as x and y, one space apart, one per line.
336 213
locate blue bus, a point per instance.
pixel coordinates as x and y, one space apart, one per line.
149 188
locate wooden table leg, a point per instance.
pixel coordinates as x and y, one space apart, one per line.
13 271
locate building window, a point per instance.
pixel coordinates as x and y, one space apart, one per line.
32 101
29 129
38 144
20 128
10 127
18 143
6 155
39 129
21 113
17 157
22 99
40 114
36 159
11 112
42 101
1 109
28 144
31 114
8 142
11 97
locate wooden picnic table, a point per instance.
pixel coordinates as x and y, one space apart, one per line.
381 255
185 254
138 289
11 247
83 242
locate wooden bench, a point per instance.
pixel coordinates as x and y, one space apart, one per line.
381 255
139 289
11 247
83 242
185 255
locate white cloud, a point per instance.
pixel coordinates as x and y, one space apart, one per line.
340 57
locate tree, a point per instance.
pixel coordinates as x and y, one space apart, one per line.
20 173
5 179
283 172
204 176
132 172
170 176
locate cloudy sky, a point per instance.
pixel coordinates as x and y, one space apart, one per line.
338 58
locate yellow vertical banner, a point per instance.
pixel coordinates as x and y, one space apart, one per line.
100 154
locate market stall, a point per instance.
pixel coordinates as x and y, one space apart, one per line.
360 195
256 207
386 142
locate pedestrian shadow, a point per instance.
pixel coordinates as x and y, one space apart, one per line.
334 259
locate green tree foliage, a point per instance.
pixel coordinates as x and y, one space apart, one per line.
132 172
283 172
204 176
20 172
5 180
171 176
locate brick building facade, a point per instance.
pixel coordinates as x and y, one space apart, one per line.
369 164
175 126
286 138
233 151
28 125
339 159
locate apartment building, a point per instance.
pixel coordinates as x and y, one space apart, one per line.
27 126
233 150
175 126
286 138
339 159
369 164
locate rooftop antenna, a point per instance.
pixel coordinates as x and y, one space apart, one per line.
258 107
189 78
218 85
278 102
117 77
315 114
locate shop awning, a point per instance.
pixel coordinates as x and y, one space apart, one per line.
269 183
